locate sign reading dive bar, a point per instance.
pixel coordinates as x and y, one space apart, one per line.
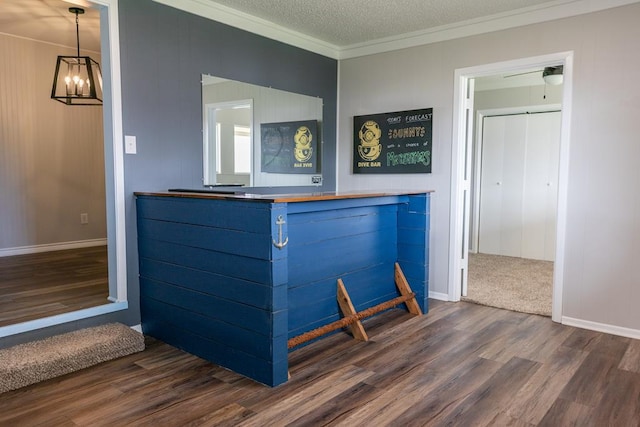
289 147
393 142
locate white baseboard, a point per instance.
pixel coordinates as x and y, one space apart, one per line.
137 328
601 327
439 296
22 250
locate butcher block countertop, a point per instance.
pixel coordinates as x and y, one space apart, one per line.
276 198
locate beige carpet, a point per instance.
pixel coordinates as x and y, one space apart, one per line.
37 361
516 284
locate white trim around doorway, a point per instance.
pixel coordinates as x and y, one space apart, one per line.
459 150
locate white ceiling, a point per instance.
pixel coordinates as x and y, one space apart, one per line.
50 21
349 22
335 28
349 28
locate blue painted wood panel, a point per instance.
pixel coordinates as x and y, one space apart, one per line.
229 215
350 241
267 372
413 245
357 283
241 315
230 288
216 239
250 269
247 341
213 283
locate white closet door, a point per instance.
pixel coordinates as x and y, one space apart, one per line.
518 189
540 199
503 150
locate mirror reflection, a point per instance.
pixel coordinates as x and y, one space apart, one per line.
256 136
53 223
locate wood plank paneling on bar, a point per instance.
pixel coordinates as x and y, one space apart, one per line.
239 215
229 288
228 312
212 328
233 242
354 239
250 269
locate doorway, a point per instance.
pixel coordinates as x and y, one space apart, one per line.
462 178
514 203
227 143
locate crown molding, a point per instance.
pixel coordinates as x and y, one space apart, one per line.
558 9
232 17
531 15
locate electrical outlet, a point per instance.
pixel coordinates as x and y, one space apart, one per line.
84 218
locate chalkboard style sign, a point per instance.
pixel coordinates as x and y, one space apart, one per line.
289 147
397 142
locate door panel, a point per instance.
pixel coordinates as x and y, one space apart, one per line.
540 190
501 185
518 191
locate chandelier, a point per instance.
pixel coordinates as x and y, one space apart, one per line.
78 79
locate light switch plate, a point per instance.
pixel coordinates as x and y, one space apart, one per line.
130 144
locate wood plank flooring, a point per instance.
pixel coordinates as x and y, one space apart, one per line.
461 364
45 284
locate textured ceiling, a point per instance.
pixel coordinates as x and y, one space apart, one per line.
337 22
349 22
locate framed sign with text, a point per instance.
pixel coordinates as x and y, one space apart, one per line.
397 142
289 147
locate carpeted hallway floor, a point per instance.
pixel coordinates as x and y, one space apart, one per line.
517 284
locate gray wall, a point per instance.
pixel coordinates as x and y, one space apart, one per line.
164 51
603 223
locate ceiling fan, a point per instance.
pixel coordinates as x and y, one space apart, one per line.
551 75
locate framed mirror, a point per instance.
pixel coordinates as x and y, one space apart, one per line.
256 136
56 141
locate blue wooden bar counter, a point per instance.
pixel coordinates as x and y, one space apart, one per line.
213 282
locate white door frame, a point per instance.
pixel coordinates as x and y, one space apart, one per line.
459 218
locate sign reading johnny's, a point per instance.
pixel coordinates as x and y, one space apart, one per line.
289 147
393 142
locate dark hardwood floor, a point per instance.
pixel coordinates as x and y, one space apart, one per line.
461 364
45 284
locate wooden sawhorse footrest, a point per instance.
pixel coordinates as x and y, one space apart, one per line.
353 318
